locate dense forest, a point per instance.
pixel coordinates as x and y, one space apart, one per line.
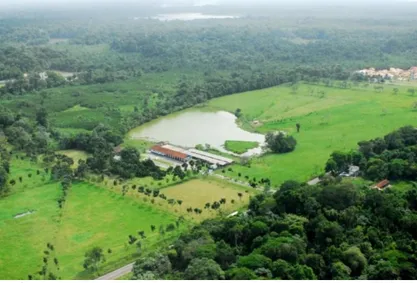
334 230
224 56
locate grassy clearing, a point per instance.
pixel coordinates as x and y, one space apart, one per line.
71 131
92 216
76 155
331 119
141 145
196 193
240 147
24 168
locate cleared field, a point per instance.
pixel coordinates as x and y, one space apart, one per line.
76 155
331 119
240 147
196 193
92 216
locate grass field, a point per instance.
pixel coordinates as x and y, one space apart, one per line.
331 119
92 216
240 147
23 168
76 155
196 193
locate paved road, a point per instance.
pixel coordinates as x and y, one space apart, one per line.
117 273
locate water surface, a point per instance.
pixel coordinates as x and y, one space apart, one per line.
197 127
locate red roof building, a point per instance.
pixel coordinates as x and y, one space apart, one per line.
382 185
157 149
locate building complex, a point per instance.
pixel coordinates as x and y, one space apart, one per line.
185 155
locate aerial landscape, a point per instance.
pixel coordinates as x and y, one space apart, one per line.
208 140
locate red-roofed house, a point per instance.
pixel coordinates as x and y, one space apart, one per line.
382 185
180 156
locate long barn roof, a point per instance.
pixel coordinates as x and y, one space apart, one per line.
169 152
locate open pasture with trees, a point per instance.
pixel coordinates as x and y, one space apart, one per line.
91 216
191 198
203 193
330 119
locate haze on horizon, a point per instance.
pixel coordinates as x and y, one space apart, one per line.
11 3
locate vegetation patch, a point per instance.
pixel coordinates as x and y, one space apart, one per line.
240 147
76 108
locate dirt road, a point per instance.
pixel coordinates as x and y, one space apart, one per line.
117 273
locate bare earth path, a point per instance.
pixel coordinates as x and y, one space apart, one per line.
117 273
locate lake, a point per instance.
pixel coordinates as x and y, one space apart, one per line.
197 127
191 16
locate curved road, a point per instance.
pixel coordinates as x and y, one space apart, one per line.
117 273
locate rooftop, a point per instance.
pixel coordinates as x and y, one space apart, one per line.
169 152
382 184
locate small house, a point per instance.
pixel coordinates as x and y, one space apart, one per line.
382 185
353 171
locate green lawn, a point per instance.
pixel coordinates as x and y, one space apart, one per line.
76 155
331 119
92 216
240 147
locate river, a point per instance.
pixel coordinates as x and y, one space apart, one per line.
197 127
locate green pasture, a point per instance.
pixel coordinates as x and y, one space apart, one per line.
76 155
28 171
91 216
23 240
240 147
331 119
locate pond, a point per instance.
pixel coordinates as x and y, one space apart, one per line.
190 128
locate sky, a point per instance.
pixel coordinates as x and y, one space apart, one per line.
54 2
4 4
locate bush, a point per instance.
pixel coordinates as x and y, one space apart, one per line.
280 143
